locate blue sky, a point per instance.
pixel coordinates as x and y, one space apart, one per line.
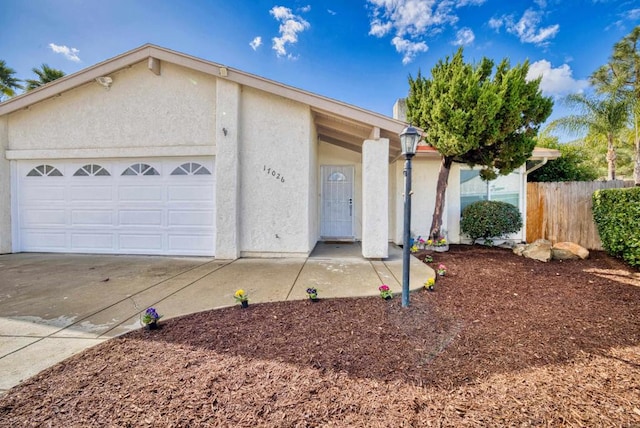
357 51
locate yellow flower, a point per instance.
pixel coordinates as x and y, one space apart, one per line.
413 249
430 282
429 242
240 293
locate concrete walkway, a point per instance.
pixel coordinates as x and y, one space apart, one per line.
55 305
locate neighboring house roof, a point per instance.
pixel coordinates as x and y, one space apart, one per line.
336 122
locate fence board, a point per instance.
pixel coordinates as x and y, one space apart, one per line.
562 211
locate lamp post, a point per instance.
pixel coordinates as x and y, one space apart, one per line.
408 142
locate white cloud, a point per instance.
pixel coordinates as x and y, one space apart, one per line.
464 37
256 43
331 12
496 23
305 9
408 49
410 22
556 82
527 28
70 53
290 26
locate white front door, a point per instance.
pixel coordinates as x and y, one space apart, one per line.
337 202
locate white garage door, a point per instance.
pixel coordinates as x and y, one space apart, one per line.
139 206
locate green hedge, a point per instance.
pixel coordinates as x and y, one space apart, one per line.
616 213
490 219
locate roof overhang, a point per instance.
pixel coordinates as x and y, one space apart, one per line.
336 122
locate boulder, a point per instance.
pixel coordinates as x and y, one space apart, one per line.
539 250
518 249
568 251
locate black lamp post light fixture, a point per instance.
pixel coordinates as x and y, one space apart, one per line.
408 142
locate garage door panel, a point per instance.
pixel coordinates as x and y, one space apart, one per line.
92 217
140 218
190 193
92 241
185 242
90 193
38 240
42 193
33 217
141 242
140 193
191 218
115 214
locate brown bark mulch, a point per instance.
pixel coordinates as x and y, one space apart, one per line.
503 341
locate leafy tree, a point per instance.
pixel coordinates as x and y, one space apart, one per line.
604 118
8 83
622 74
45 75
572 165
474 116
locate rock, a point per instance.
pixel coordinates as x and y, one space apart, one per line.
539 250
568 251
518 249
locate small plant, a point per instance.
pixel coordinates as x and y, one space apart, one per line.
312 292
442 269
428 259
150 317
430 283
242 298
385 292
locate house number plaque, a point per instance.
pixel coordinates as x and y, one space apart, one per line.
273 173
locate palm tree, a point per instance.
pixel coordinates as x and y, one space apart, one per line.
45 75
603 118
8 83
622 75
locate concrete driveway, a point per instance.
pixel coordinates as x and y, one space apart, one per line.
55 305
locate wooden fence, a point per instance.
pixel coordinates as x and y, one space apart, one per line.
562 211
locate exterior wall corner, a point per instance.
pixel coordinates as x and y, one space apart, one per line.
375 201
5 189
227 133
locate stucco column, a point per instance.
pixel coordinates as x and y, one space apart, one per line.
5 189
375 198
227 170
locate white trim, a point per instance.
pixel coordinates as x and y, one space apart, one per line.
15 209
113 152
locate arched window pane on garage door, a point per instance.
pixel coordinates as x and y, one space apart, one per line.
91 170
140 169
191 168
44 171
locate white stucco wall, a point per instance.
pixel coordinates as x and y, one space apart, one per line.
228 170
275 175
140 109
423 182
5 191
314 189
375 203
330 154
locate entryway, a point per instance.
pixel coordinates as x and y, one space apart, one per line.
337 202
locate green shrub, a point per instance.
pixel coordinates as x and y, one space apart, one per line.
616 213
490 219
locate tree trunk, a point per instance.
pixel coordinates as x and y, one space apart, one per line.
611 159
441 190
